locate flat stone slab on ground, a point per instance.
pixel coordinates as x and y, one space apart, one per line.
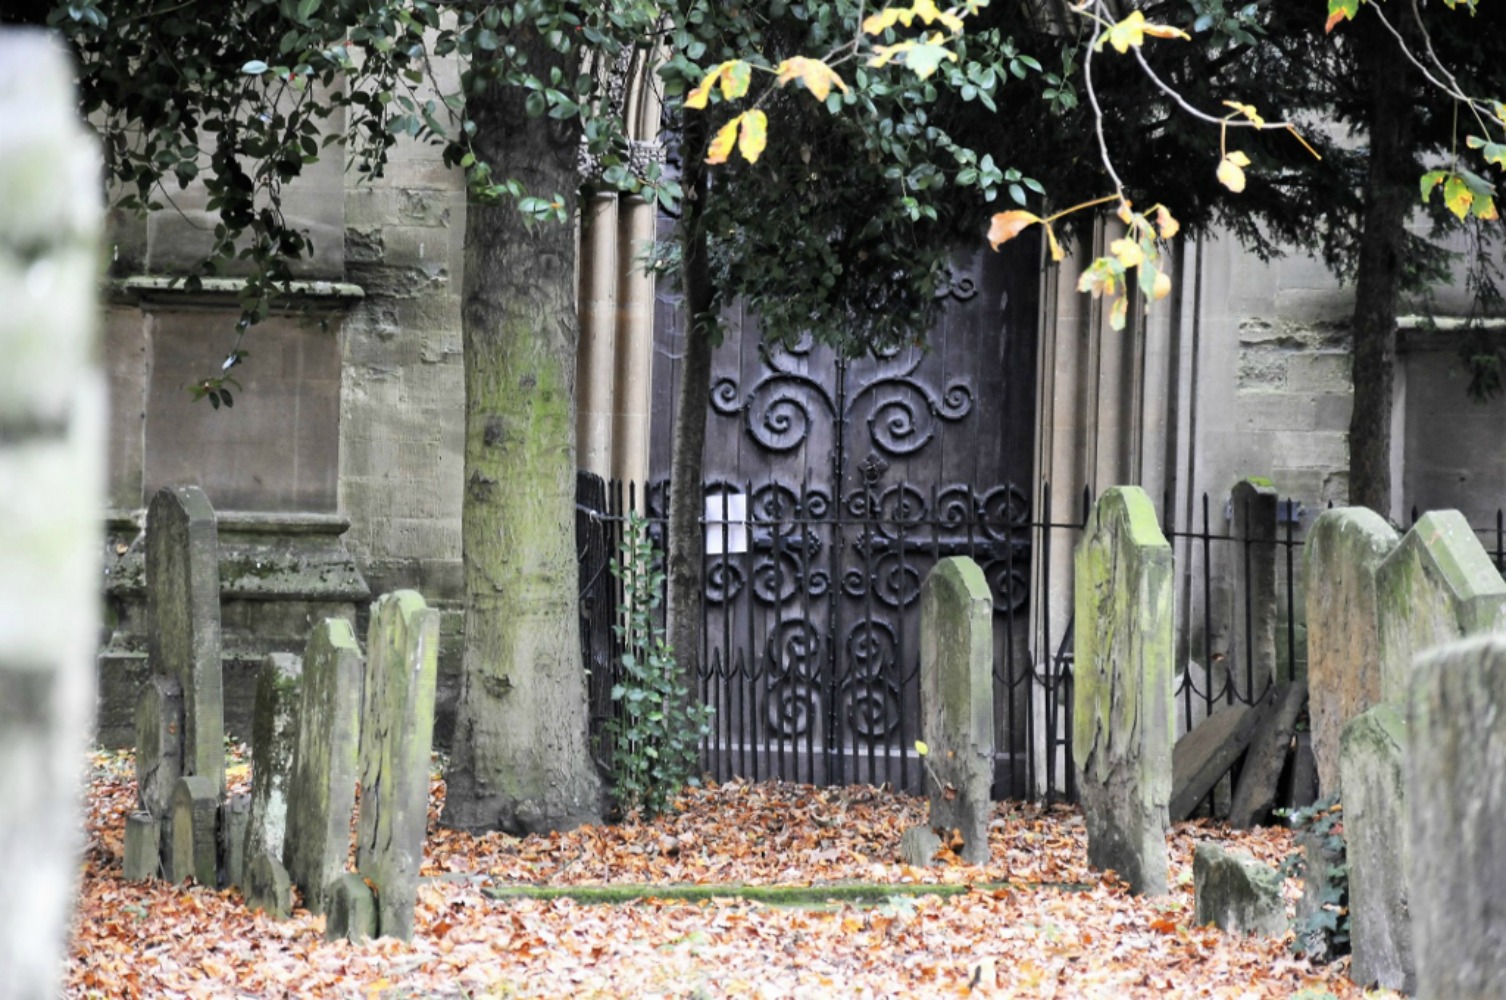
1237 893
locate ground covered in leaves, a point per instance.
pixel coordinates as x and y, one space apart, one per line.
1054 929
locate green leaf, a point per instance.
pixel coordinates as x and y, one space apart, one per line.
254 68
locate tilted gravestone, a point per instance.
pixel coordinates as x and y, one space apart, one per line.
397 734
1438 585
1236 893
51 493
322 786
957 701
1456 805
1344 549
274 733
1122 728
1372 763
183 605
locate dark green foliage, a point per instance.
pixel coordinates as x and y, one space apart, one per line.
657 731
1328 922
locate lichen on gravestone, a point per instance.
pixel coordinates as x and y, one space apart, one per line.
1236 893
1123 709
397 734
322 784
274 734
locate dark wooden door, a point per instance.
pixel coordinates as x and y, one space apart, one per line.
856 476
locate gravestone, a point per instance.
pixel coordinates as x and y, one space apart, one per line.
183 607
159 744
352 910
1236 893
397 734
1344 548
274 732
143 848
322 785
268 887
1456 805
1206 754
1253 614
235 820
1372 765
957 699
1438 585
51 494
195 815
1122 727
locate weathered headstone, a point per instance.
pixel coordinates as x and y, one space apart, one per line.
1259 781
1372 763
143 847
1122 727
268 888
1456 803
1438 585
397 734
352 911
51 494
274 733
1236 893
1254 505
235 820
196 809
183 606
1344 548
322 787
957 700
159 744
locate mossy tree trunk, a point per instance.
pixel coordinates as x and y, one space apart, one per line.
521 760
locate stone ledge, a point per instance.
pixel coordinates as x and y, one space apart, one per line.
221 293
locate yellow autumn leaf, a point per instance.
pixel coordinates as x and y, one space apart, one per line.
1162 286
1248 110
1057 253
1126 213
734 75
1127 252
815 74
1005 226
876 24
921 748
1167 225
1131 32
1486 209
1457 196
753 136
1119 312
1231 172
928 12
721 146
884 54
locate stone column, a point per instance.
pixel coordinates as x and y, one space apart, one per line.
635 343
957 698
1123 723
52 472
597 350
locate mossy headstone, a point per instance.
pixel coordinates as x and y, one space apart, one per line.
322 785
195 824
1437 586
1344 549
1122 729
957 700
183 607
1372 763
397 734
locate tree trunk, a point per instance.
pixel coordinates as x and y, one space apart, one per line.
687 539
1391 192
521 760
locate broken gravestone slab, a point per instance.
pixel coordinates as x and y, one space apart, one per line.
1456 804
143 847
397 734
1372 763
1205 755
1122 699
183 606
1344 549
1236 893
1259 781
322 786
957 701
352 909
267 887
235 815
